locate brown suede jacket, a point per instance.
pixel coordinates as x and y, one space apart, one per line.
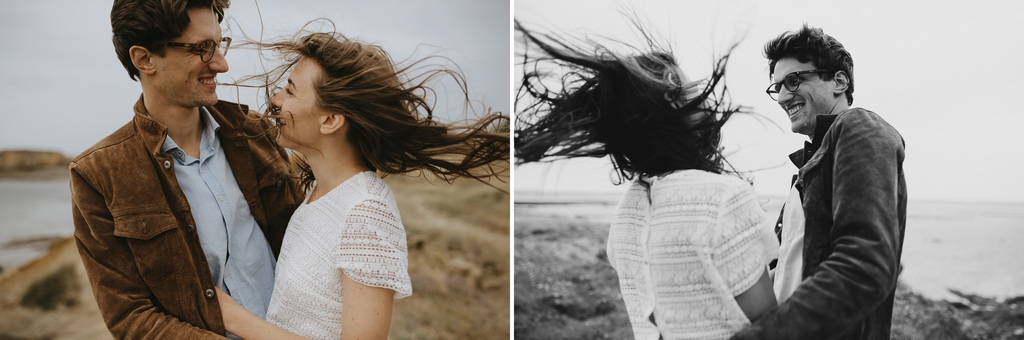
135 231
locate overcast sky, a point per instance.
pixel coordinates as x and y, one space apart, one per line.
65 88
945 74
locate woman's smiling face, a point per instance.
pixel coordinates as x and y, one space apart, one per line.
298 102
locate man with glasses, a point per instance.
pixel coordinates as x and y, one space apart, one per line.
190 195
841 230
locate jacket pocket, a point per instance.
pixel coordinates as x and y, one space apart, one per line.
154 241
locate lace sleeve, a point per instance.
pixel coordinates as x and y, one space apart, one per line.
743 248
373 248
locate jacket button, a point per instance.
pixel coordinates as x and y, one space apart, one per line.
167 164
190 229
280 182
209 293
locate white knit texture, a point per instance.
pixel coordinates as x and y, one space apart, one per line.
683 249
354 229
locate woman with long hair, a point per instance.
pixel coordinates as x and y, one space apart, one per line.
352 115
688 239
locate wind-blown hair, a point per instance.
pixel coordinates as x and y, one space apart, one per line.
151 24
811 44
638 109
390 117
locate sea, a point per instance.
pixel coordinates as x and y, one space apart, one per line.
33 214
970 247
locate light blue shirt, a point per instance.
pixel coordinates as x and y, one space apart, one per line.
240 258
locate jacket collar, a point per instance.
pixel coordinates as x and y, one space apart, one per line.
822 124
154 133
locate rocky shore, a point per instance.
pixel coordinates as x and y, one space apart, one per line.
566 289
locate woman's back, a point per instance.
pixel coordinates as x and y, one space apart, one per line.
684 245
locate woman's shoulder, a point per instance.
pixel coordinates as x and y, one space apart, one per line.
365 185
701 190
702 181
363 189
374 186
370 194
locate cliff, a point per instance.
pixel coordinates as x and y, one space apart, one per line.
13 160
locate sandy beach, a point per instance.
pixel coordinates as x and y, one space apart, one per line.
458 255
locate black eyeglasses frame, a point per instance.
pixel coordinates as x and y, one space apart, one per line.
791 86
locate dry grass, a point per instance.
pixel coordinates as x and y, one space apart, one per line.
565 287
458 260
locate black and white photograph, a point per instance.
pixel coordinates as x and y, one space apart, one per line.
768 170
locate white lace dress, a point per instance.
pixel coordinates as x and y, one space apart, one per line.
354 229
683 250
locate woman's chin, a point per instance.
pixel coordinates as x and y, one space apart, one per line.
284 142
288 143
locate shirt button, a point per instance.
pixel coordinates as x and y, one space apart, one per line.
209 293
167 164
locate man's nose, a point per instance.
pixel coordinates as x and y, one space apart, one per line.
783 96
218 63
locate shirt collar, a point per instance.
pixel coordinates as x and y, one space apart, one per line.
208 142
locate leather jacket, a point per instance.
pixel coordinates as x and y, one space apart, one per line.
135 231
854 197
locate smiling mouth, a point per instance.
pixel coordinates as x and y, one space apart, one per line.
792 110
208 81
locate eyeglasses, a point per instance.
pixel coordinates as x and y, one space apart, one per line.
792 82
205 49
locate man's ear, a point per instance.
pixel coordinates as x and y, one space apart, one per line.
842 82
142 58
331 122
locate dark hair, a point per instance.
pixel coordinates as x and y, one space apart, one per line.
618 105
151 24
812 45
391 119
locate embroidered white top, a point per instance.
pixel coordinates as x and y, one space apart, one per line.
353 230
684 248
